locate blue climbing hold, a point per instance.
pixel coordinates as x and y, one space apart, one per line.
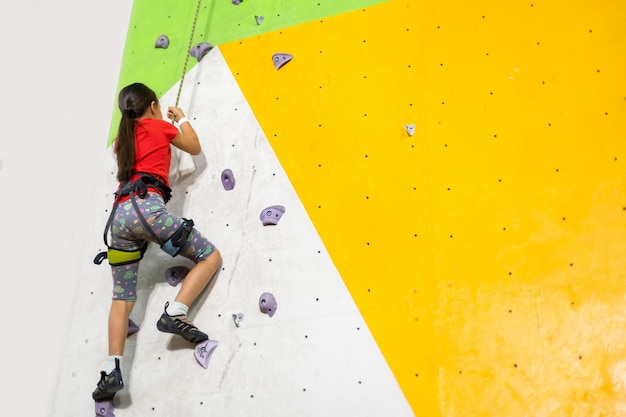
132 328
105 408
199 50
203 352
271 215
228 180
162 42
267 304
175 274
281 59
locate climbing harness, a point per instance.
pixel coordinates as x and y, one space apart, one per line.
139 187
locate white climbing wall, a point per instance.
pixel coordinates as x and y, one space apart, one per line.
314 357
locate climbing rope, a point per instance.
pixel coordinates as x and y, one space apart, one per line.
193 29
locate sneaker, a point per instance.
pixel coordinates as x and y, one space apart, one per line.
180 325
109 384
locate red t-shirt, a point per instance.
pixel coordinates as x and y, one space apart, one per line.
153 153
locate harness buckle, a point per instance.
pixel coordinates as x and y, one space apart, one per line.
173 245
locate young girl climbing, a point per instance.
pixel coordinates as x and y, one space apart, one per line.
139 215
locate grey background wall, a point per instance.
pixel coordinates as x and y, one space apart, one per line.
60 66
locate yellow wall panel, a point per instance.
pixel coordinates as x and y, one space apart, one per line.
485 251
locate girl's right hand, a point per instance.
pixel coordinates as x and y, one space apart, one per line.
175 112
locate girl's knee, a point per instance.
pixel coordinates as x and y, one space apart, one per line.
214 257
218 256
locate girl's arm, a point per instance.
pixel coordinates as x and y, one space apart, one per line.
187 139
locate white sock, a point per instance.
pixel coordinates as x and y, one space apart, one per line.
110 365
177 309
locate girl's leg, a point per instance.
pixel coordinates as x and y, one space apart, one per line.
111 379
196 248
198 278
124 298
207 261
118 325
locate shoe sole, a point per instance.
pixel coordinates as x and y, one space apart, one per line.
109 396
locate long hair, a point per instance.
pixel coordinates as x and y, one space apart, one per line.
133 101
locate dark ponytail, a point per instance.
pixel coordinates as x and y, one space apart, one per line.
133 101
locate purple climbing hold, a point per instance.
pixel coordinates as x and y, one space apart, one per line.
203 352
105 408
162 42
176 274
132 328
236 2
228 180
199 50
267 304
281 59
271 215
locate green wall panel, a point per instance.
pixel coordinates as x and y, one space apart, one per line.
216 22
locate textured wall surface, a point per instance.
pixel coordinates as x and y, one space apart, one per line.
461 165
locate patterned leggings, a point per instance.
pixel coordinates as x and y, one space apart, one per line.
128 234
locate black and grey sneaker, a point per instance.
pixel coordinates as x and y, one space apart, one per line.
180 325
109 384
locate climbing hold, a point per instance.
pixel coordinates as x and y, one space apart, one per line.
175 274
410 129
162 42
235 2
203 352
199 50
271 215
132 328
259 19
267 304
228 180
281 59
238 319
105 408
